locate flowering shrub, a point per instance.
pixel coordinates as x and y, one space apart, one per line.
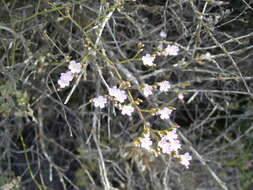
169 143
93 93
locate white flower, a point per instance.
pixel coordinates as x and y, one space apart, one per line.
120 95
163 34
63 83
170 136
148 60
66 76
113 91
164 113
185 159
169 143
147 90
75 67
146 142
207 55
165 146
171 50
65 79
175 145
180 96
169 147
127 110
164 86
99 101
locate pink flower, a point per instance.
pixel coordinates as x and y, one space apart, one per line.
63 83
67 76
175 145
146 142
75 67
166 147
99 101
119 95
127 110
164 86
65 79
147 90
164 113
170 136
171 50
185 159
148 60
169 143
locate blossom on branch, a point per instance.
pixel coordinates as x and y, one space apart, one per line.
171 50
119 95
164 86
75 67
65 79
185 159
169 143
99 101
169 147
164 113
127 110
147 90
146 141
170 136
148 60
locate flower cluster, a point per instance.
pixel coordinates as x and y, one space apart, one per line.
168 144
164 113
119 95
67 77
146 142
171 50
